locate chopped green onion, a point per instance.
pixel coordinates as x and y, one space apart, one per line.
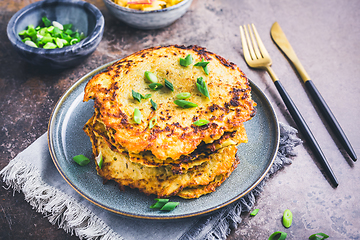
58 25
31 44
49 35
169 85
185 104
169 206
253 213
164 204
136 95
81 160
99 160
315 237
186 61
183 95
202 87
278 236
152 122
49 45
146 96
204 65
153 104
137 116
46 21
155 86
201 122
287 218
151 77
159 203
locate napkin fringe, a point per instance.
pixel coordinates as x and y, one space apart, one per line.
57 206
219 225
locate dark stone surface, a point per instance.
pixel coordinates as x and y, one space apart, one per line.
325 35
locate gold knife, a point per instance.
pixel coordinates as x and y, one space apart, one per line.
281 41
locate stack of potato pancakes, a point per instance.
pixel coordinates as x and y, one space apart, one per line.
144 138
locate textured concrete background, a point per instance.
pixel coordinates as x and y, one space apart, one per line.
325 36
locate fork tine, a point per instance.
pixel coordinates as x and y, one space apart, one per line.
251 47
246 50
254 43
262 48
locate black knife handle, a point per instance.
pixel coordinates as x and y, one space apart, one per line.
305 130
330 118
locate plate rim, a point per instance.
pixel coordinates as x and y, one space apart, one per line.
103 67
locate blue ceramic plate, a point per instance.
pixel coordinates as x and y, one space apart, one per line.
67 139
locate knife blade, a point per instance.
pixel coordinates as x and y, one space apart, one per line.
282 42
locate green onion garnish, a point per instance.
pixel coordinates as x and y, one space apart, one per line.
287 218
204 65
81 160
50 35
152 122
148 95
150 77
156 86
169 206
278 236
186 61
99 160
137 116
153 104
185 104
169 85
253 213
164 204
183 95
315 237
136 95
202 87
201 122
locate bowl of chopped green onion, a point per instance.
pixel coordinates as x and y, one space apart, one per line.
56 34
148 14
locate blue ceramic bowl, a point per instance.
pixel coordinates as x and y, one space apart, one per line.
84 16
148 19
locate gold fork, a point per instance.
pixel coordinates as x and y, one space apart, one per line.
256 56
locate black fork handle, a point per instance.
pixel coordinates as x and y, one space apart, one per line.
305 130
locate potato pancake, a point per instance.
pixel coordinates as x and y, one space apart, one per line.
162 181
228 106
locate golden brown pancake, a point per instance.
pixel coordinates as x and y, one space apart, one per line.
174 134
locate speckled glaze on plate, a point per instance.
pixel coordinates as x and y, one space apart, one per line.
67 139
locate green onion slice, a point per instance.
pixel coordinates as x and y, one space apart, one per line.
186 61
253 213
287 218
160 202
201 122
278 236
183 95
153 104
30 43
156 86
137 116
81 160
315 237
151 77
169 85
152 122
49 45
164 204
185 104
204 65
99 160
46 21
136 95
146 96
169 206
202 87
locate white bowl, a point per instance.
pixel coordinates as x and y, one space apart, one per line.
148 19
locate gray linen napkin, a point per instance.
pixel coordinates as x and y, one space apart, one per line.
33 172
